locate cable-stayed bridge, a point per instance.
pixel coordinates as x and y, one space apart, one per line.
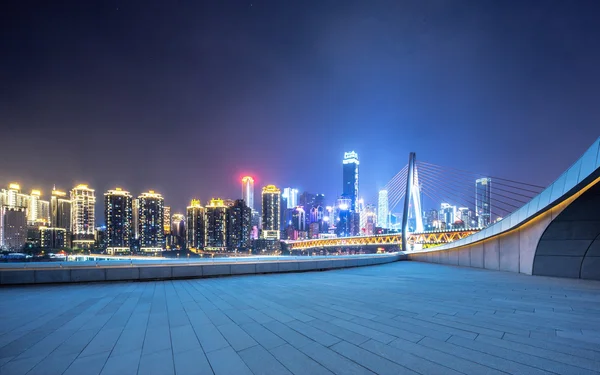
454 216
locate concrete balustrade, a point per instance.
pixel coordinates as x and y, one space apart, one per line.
141 272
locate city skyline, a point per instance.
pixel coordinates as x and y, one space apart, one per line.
374 89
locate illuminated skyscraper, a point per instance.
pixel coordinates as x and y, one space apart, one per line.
60 210
177 239
291 196
118 213
483 206
382 209
215 224
167 219
12 197
13 227
195 225
299 219
350 178
151 218
248 191
83 202
239 226
271 212
135 218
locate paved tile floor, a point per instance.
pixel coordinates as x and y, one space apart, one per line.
401 318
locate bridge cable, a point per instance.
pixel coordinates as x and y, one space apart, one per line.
435 174
478 175
493 177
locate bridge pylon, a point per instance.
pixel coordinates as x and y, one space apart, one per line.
413 194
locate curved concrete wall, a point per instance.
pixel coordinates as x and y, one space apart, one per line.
570 245
182 271
511 244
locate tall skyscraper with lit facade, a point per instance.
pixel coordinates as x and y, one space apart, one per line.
215 224
248 191
83 216
151 218
38 210
239 226
483 204
60 210
167 220
350 178
382 209
118 213
12 197
291 197
271 212
195 225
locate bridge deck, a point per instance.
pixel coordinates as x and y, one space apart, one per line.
405 317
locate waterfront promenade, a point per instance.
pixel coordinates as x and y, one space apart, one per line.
398 318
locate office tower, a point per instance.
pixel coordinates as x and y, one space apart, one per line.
291 197
448 215
350 178
13 227
195 225
239 226
483 204
83 202
118 213
151 218
299 219
317 214
248 191
60 210
344 219
319 200
371 222
53 238
382 209
271 212
167 220
215 224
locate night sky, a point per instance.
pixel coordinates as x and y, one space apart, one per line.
186 97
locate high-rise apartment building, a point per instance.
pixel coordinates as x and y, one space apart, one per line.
350 178
60 210
53 238
248 191
215 224
271 212
239 226
135 218
483 204
167 220
118 213
291 197
382 209
151 218
13 227
12 197
195 225
83 202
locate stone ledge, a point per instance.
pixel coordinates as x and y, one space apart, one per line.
175 271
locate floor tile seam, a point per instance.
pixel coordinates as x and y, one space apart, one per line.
518 361
51 352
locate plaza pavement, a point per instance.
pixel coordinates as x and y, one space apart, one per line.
399 318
